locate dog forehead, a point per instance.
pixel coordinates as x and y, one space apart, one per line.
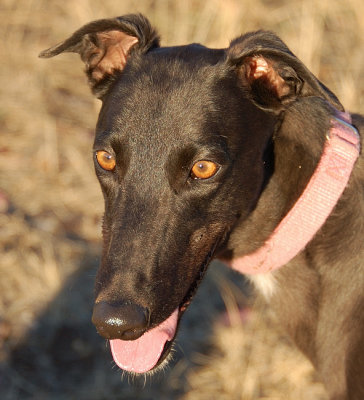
166 92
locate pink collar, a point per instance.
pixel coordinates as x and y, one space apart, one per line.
311 210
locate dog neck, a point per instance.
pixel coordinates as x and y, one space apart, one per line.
306 217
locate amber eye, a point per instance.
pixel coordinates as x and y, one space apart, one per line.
204 169
105 160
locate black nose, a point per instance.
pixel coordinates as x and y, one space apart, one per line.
126 321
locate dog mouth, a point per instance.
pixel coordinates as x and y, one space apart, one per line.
153 347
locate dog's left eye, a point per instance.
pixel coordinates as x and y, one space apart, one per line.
105 160
204 169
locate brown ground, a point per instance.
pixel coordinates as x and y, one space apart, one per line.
51 205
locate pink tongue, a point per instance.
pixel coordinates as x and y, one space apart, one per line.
142 354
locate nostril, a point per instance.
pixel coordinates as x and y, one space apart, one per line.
130 334
125 321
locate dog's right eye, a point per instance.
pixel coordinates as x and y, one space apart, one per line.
204 169
105 160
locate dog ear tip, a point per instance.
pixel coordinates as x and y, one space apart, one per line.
47 53
44 54
54 50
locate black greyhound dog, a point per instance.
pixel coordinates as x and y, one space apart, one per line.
226 153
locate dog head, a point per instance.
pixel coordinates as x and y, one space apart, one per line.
183 150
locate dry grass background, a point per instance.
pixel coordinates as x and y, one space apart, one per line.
50 207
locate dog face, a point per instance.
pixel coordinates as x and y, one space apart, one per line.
171 199
183 150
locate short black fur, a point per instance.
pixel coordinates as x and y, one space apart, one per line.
167 108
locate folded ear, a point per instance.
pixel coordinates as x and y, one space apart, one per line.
105 45
272 74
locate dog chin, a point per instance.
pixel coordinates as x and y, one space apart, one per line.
164 361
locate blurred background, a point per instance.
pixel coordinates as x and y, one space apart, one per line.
51 207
